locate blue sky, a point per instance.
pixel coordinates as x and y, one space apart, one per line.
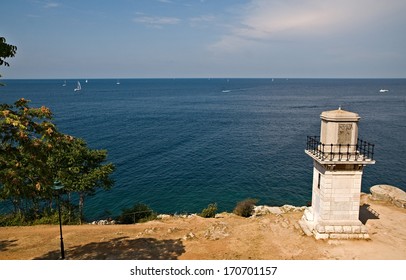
205 38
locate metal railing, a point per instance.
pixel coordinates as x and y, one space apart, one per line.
362 151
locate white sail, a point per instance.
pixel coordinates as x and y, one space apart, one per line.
78 87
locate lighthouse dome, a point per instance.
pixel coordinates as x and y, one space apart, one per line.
339 115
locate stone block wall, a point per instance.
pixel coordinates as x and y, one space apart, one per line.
338 195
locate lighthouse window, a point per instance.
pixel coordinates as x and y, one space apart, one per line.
318 181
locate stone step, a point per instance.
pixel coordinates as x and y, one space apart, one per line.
305 229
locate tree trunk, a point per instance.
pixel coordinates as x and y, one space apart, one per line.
17 206
81 203
69 209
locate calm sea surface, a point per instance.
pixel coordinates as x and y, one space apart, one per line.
180 144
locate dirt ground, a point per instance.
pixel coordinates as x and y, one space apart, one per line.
228 237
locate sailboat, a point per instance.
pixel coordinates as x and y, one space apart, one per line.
78 87
118 82
64 84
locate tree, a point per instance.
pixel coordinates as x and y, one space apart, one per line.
81 171
6 51
34 154
138 213
27 138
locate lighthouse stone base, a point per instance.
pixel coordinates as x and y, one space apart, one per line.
332 229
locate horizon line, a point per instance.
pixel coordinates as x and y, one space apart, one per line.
209 78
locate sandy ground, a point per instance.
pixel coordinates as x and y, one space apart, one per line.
227 237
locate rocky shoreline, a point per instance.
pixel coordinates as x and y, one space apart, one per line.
386 193
271 233
258 211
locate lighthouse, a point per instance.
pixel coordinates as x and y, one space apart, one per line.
339 158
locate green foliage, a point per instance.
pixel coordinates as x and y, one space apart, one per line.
12 219
245 208
45 217
137 214
49 218
82 170
6 51
28 139
210 211
34 154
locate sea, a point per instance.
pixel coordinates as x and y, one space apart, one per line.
181 144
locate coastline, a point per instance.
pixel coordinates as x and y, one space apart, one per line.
265 236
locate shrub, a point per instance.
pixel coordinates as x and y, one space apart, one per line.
245 208
12 220
49 218
44 216
210 211
137 214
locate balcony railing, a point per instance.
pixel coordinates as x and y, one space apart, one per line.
362 151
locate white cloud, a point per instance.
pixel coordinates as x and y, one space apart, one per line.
296 19
51 5
155 21
230 44
202 20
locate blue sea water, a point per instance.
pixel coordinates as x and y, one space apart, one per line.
180 144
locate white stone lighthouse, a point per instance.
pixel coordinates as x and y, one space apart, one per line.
338 161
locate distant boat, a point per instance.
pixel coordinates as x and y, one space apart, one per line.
226 90
86 81
78 87
64 84
118 82
383 90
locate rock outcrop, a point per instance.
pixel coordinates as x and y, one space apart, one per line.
389 193
264 210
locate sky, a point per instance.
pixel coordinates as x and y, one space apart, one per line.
205 38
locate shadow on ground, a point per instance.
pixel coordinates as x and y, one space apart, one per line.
367 213
123 249
5 244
